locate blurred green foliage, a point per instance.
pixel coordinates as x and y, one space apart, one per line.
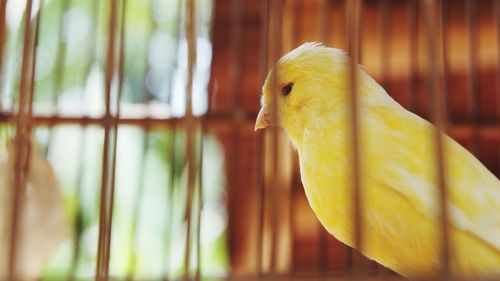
149 224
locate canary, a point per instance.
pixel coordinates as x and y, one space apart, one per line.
309 89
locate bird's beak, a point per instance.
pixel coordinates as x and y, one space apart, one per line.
263 118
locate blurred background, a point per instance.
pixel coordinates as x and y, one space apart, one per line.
144 110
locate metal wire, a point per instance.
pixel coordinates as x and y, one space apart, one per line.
353 11
496 20
23 133
236 37
110 139
472 83
325 33
412 8
190 128
384 35
263 68
435 65
275 45
3 6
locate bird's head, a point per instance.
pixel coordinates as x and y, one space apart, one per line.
303 84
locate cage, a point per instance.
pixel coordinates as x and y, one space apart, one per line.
127 142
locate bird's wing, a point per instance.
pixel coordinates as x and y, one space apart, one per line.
408 141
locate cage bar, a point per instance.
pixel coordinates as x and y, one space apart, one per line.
3 6
472 64
236 36
353 12
275 50
110 137
22 133
496 15
190 128
263 67
434 34
384 37
412 8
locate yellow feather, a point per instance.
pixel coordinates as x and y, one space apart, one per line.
398 172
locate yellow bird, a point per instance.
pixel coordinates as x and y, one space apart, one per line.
399 178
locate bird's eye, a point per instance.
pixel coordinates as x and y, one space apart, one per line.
287 89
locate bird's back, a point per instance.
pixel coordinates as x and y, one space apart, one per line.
400 192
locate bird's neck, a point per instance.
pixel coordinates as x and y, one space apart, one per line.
322 119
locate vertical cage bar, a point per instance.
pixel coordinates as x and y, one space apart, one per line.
3 5
234 71
497 34
412 9
383 28
275 45
236 37
472 79
353 32
435 66
264 58
100 274
284 174
355 26
110 140
324 20
23 134
190 127
496 16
